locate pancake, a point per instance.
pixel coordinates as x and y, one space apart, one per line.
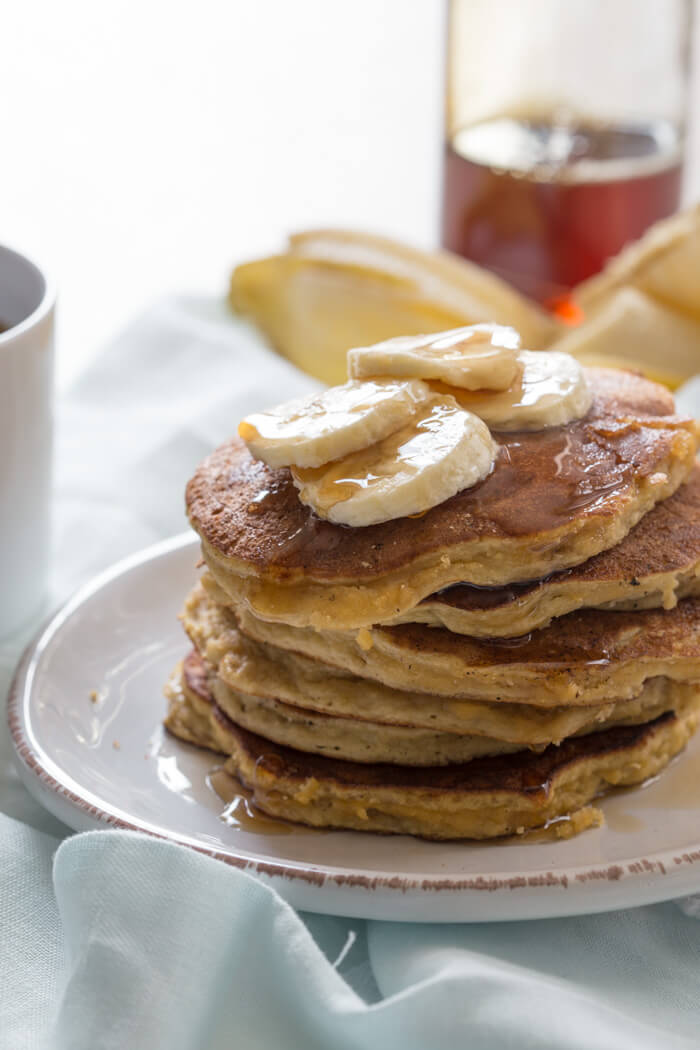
351 739
485 798
357 740
554 498
656 565
265 674
584 658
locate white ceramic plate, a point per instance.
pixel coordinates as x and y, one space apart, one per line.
107 762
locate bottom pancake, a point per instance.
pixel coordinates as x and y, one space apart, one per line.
484 798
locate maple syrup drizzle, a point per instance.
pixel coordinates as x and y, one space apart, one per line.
240 810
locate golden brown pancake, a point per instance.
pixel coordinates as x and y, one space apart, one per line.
267 675
656 564
555 498
484 798
351 739
584 658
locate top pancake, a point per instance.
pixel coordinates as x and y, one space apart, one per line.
555 498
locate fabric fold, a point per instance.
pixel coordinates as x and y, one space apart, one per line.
31 941
166 947
622 979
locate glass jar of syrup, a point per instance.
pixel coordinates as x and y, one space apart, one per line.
564 132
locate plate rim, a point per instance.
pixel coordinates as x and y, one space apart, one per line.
665 868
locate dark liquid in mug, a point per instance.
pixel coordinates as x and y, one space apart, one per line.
544 204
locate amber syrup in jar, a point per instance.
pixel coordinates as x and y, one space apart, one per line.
545 202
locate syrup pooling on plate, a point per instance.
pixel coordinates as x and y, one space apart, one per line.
241 813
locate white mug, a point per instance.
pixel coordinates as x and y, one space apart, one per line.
26 384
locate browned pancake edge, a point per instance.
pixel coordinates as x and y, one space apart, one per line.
666 540
523 772
543 481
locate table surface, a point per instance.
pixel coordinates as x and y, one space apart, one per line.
146 152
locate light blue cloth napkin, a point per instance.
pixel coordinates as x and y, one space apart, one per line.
141 944
112 940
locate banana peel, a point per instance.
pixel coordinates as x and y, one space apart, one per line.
664 264
643 309
333 290
631 330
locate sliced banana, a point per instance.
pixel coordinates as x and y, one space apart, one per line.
475 357
310 431
551 390
443 450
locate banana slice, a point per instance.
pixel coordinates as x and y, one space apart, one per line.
476 357
310 431
442 451
550 391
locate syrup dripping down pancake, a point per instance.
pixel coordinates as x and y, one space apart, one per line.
584 658
656 564
298 689
555 498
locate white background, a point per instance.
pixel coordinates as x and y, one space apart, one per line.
149 145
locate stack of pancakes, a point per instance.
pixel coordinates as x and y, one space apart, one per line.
487 667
